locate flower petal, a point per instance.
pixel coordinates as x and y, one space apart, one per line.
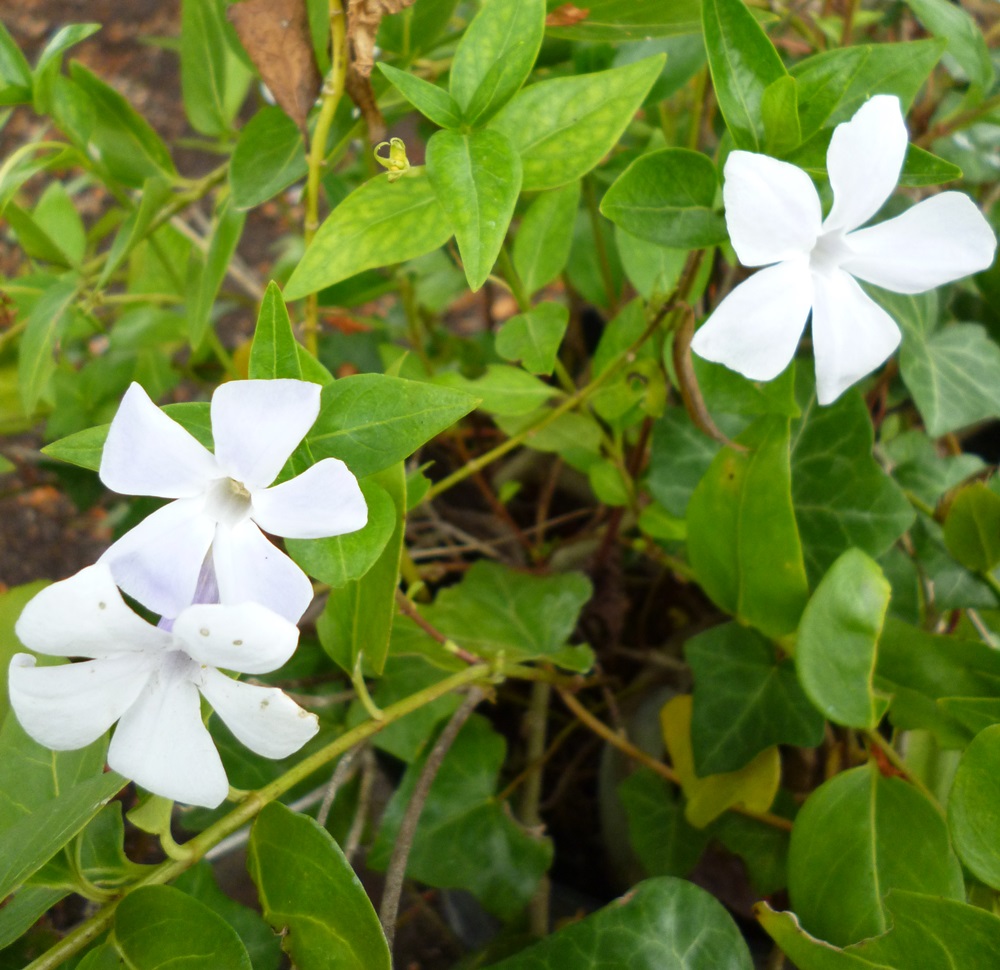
258 424
85 616
864 161
325 500
936 241
265 719
250 569
772 209
756 329
852 335
159 561
249 638
162 744
147 453
72 705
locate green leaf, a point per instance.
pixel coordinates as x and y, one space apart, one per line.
268 157
35 240
338 560
48 319
746 699
858 836
965 40
542 243
128 147
275 351
922 168
952 376
49 62
203 67
927 932
21 911
495 55
496 610
431 101
465 839
743 542
779 110
972 529
310 894
12 601
842 497
477 178
563 128
56 215
157 927
611 20
668 197
155 192
974 807
225 238
378 224
372 421
836 646
744 64
662 924
534 337
104 957
652 269
15 73
502 390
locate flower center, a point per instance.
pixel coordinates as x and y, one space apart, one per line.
228 501
830 251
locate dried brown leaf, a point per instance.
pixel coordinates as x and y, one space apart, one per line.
363 18
567 15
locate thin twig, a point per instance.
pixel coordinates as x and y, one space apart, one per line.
368 771
341 775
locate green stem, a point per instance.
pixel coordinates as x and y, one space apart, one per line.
603 261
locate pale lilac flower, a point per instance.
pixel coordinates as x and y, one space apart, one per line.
149 680
775 220
223 500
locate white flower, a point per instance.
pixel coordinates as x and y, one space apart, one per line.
223 498
151 678
774 217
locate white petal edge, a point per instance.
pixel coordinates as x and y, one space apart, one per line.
936 241
325 500
757 327
773 212
71 705
852 335
251 569
864 160
162 744
85 616
159 561
147 453
249 638
265 719
258 424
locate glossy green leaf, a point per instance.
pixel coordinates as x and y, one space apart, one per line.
952 376
837 640
477 178
746 699
534 337
926 932
465 839
159 927
48 319
744 64
563 128
268 157
842 497
227 230
653 270
972 529
431 101
22 910
858 836
502 390
496 610
668 197
965 40
104 957
310 894
726 391
542 243
372 421
743 542
779 108
337 560
974 807
495 56
274 351
662 924
378 224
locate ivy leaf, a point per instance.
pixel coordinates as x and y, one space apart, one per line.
972 529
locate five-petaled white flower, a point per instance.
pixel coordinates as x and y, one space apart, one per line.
222 498
150 679
774 217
